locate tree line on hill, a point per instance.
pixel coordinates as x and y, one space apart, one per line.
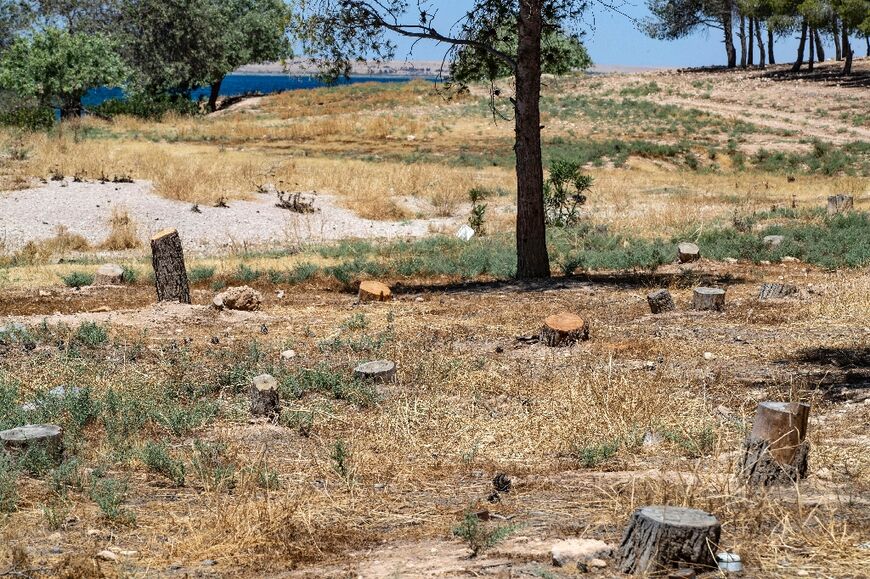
815 20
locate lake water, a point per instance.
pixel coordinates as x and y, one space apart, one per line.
239 84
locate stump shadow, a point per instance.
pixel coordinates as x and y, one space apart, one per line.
848 369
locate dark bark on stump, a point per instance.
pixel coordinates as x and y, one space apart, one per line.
668 537
775 291
532 258
776 451
688 252
264 397
47 438
170 276
379 371
660 301
708 298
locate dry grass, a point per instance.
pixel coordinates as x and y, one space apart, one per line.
123 233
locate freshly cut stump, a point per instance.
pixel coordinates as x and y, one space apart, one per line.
264 397
660 301
668 537
170 276
379 371
109 274
688 252
564 330
776 451
374 291
774 291
840 204
42 437
708 298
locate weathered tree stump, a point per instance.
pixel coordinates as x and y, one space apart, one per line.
109 274
170 276
264 397
688 252
840 204
773 291
564 330
47 438
660 301
776 451
668 537
708 298
374 291
379 371
773 240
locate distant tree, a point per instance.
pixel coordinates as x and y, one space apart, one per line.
177 46
672 19
15 16
854 17
337 32
58 68
92 16
561 53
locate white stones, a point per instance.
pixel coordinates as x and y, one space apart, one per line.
570 551
709 356
106 555
109 274
288 355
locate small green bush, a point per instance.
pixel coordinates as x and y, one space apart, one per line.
8 484
478 535
149 107
156 457
92 334
78 279
109 494
200 274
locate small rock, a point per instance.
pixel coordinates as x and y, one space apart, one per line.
802 573
824 473
465 233
44 294
597 563
419 299
790 259
652 438
280 294
773 240
208 563
106 555
288 355
579 550
241 298
128 553
730 260
709 356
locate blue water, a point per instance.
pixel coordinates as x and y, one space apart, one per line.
239 84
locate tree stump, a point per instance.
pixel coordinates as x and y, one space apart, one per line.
773 240
170 276
773 291
708 298
668 537
109 274
840 204
660 301
46 438
564 330
688 252
379 371
264 397
776 451
374 291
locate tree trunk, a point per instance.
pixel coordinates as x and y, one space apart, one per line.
727 25
847 50
660 301
820 47
265 402
761 62
708 299
812 49
688 252
213 94
750 55
777 291
771 58
532 258
801 47
867 40
665 536
776 451
170 276
835 30
742 35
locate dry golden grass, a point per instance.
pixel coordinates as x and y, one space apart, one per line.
123 233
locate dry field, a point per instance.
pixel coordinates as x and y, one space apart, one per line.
166 471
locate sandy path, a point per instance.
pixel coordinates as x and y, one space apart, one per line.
85 208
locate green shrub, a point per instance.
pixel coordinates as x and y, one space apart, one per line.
200 274
91 334
596 454
109 494
212 467
129 275
326 381
564 193
78 279
8 484
478 535
149 107
156 457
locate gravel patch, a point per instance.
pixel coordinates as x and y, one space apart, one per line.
85 208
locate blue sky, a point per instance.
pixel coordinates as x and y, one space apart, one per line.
613 39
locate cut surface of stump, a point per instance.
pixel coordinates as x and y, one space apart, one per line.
773 240
661 536
47 438
708 298
774 291
564 330
109 274
660 301
379 371
688 252
374 291
264 397
776 451
840 204
170 276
